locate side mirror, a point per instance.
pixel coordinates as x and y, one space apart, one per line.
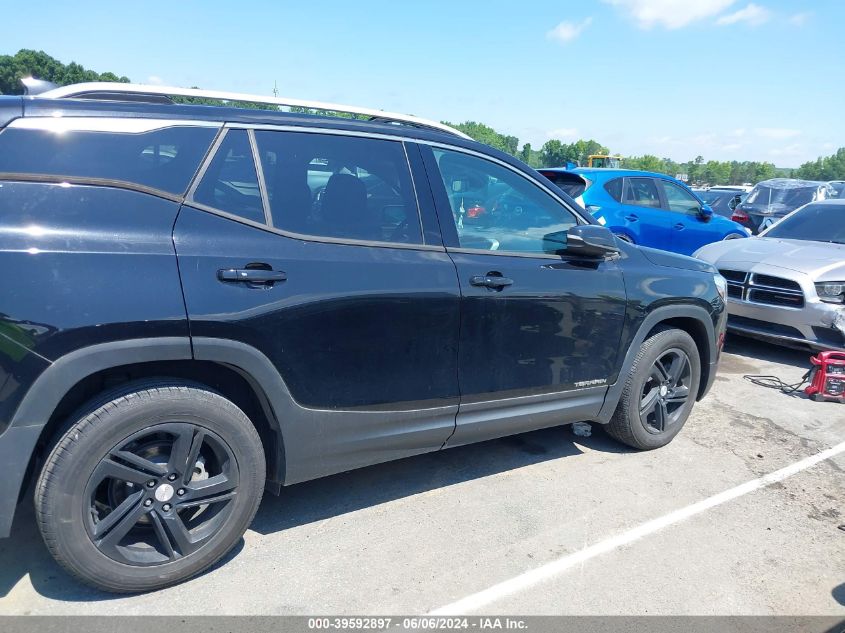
590 241
705 213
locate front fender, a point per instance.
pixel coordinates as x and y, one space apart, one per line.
657 316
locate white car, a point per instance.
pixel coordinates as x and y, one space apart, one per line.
788 284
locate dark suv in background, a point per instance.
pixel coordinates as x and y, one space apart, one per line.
199 302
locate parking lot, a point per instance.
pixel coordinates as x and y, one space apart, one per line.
541 523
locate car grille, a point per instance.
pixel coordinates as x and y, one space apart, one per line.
744 323
764 289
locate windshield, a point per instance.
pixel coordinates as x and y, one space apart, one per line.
815 222
793 197
709 197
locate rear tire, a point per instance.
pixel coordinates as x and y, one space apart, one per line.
660 391
150 488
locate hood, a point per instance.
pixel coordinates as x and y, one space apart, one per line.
674 260
817 259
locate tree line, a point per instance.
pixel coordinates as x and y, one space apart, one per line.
553 153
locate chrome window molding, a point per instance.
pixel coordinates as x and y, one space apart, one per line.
61 124
259 173
409 139
90 181
270 227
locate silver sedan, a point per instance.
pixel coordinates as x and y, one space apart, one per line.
788 284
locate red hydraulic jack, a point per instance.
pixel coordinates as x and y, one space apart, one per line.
827 377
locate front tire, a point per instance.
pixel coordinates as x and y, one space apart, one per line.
150 488
660 391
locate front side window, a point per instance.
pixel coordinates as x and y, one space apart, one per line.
679 199
231 183
337 186
496 209
642 192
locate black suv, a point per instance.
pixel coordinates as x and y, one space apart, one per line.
199 302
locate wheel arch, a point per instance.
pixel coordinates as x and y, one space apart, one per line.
82 375
692 319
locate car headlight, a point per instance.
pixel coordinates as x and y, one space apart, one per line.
721 285
831 291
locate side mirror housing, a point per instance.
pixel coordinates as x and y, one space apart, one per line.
705 213
590 241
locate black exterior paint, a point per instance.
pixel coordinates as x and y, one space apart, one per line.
365 352
353 326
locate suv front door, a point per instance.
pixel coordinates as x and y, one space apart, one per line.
539 332
319 260
689 230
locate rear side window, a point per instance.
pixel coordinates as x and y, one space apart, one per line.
337 186
642 192
614 188
164 159
231 183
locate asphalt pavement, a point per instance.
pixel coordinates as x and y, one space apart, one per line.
541 523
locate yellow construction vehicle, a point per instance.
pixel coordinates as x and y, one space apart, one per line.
604 160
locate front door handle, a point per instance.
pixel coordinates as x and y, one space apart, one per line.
680 226
632 218
496 282
251 275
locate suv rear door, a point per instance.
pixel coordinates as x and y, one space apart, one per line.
320 260
539 332
641 213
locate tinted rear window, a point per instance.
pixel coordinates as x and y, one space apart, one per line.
165 159
571 184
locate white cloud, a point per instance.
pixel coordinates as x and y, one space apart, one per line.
670 14
800 19
776 133
790 150
732 147
707 140
155 80
568 31
564 134
753 14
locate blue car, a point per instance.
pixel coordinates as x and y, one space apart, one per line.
646 208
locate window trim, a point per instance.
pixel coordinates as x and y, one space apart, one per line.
621 180
259 174
437 178
665 198
111 124
269 226
657 188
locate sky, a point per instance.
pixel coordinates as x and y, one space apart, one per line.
724 79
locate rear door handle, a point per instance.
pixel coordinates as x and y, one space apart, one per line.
680 226
632 218
251 275
491 281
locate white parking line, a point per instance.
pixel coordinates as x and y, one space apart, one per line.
534 577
